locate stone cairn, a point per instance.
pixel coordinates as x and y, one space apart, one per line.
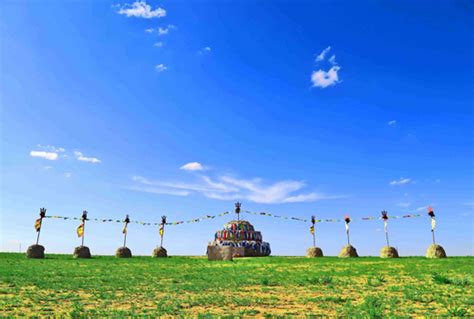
348 250
37 251
313 251
387 251
160 251
434 250
82 251
124 251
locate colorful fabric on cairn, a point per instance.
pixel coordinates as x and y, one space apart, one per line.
242 234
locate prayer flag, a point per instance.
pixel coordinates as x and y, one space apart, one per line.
311 230
38 224
433 223
80 230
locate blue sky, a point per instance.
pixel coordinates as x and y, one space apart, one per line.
296 108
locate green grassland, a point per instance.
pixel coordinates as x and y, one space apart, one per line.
270 286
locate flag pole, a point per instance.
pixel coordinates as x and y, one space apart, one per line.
127 220
42 214
84 218
162 229
237 211
433 223
385 220
347 219
313 221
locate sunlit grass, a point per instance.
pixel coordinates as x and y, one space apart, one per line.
189 286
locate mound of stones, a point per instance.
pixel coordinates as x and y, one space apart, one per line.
159 252
435 251
388 252
314 252
220 252
348 251
35 251
123 252
82 252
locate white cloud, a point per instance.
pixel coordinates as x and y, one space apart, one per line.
392 122
401 181
158 44
205 50
192 166
140 9
149 30
166 30
161 67
82 158
50 148
51 156
231 188
322 55
324 79
422 208
67 174
332 60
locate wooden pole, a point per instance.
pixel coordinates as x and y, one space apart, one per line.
83 231
39 231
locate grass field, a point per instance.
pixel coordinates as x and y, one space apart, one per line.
269 286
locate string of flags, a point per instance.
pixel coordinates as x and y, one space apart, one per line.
127 220
329 220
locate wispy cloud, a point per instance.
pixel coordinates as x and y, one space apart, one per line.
324 79
192 166
149 30
401 181
322 55
161 67
166 30
205 50
232 188
51 156
392 123
140 9
80 157
67 174
158 44
332 60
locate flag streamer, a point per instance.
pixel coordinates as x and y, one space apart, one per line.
203 218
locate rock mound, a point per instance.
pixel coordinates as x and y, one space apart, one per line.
348 251
82 252
435 251
35 251
314 252
388 252
219 252
123 252
159 252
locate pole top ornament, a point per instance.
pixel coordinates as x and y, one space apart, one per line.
431 212
384 215
237 207
347 219
84 215
42 212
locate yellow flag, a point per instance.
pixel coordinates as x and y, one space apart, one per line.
433 223
38 224
162 230
311 229
124 230
80 230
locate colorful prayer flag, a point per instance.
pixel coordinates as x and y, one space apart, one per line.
38 224
80 230
162 230
385 225
311 230
124 230
433 223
